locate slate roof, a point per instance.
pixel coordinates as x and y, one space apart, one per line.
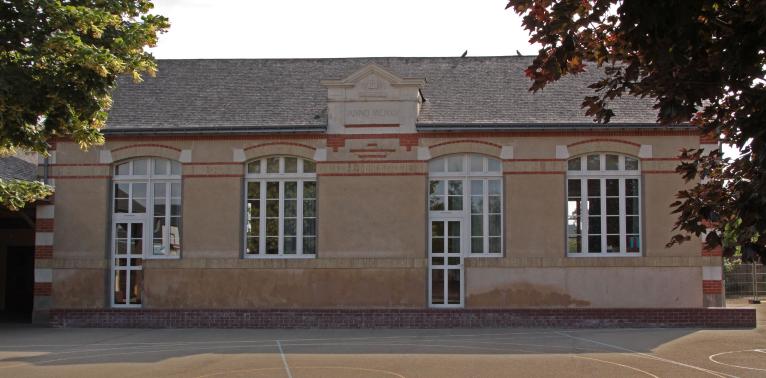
21 167
268 94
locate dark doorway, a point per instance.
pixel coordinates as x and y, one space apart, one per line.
19 282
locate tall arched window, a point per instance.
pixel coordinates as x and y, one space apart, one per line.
603 205
280 207
146 221
465 200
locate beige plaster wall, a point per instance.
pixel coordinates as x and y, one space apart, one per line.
534 223
212 217
284 288
372 216
80 288
82 218
641 287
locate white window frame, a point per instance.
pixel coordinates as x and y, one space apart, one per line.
466 176
300 177
149 179
602 174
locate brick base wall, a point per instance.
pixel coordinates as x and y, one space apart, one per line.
415 318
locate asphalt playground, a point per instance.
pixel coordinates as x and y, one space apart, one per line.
27 351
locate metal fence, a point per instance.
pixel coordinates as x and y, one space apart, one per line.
739 281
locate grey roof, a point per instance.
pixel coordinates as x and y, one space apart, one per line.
251 94
20 166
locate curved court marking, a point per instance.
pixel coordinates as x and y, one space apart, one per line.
386 372
645 355
614 363
712 358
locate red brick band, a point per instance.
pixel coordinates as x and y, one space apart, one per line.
603 140
44 225
146 145
281 144
43 251
712 287
42 289
406 318
716 251
365 126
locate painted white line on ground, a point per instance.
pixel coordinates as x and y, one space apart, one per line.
614 363
284 360
712 358
645 355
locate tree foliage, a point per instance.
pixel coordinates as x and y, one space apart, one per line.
59 61
704 62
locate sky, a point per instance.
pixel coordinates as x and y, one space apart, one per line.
338 28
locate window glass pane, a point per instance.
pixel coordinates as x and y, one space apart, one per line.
175 206
574 164
631 187
254 167
631 206
453 245
290 227
290 247
272 189
573 208
309 245
453 286
494 225
477 163
139 167
309 227
121 190
477 205
139 205
291 189
455 163
436 165
494 204
161 167
123 169
436 203
252 245
594 206
494 187
291 208
455 203
175 189
120 286
612 225
594 243
477 187
594 225
272 246
612 187
309 208
574 244
455 187
613 243
437 245
291 165
309 189
454 228
613 206
121 205
254 190
632 243
594 162
437 286
574 188
477 245
594 188
631 164
476 225
494 245
631 225
309 166
437 228
612 162
493 165
175 168
436 187
272 165
272 208
139 190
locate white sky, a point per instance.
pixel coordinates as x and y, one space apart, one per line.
338 28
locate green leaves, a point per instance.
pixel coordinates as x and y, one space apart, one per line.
15 194
704 62
59 61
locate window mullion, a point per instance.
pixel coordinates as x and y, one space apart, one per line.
262 218
280 248
623 226
485 216
299 214
602 199
584 215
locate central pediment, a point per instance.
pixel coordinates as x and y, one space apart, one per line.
373 99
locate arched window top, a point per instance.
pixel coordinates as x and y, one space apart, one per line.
465 165
281 166
603 163
148 167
